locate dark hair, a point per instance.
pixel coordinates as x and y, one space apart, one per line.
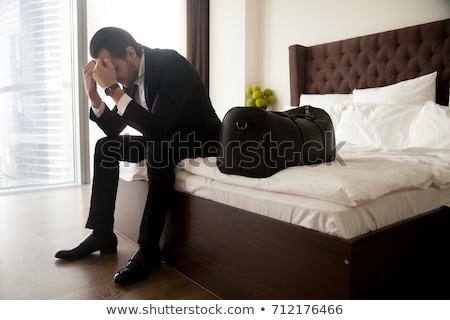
115 40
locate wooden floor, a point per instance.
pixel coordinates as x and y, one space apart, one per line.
33 226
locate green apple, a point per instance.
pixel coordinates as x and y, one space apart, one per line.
257 95
268 92
261 102
271 99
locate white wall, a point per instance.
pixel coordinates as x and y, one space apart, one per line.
250 38
233 51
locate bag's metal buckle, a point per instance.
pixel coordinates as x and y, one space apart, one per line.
307 111
241 124
308 114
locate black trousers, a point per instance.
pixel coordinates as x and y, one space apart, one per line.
162 157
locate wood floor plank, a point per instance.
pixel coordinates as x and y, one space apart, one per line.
34 225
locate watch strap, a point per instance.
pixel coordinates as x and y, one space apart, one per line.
109 90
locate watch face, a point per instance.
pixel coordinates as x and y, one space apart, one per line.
109 90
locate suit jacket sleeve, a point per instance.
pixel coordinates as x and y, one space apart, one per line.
110 122
170 81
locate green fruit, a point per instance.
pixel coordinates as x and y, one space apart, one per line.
271 99
249 91
251 102
268 92
256 88
261 102
257 95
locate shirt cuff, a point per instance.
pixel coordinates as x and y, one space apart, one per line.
99 111
123 104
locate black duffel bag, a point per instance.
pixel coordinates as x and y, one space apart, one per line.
258 143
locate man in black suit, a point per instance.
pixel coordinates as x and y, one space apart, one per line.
161 96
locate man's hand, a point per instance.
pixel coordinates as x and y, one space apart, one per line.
104 73
90 85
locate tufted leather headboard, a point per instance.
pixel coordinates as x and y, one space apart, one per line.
373 61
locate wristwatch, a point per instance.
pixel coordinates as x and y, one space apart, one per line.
109 90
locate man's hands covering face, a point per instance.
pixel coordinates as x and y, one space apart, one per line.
104 73
90 85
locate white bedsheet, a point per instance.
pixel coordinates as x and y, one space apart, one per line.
363 190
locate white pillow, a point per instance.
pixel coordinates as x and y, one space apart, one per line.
380 126
323 100
416 91
431 128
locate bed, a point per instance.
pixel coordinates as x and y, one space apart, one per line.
216 240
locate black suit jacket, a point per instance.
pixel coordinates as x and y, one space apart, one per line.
177 99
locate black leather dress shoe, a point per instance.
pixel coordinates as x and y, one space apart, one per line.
88 246
138 268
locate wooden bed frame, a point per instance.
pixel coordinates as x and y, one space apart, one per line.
237 254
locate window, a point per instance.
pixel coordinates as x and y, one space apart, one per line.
36 122
153 23
37 90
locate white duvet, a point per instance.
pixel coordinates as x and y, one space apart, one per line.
358 175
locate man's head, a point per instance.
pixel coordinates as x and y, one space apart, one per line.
123 50
115 41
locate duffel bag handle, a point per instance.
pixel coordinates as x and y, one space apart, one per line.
307 115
